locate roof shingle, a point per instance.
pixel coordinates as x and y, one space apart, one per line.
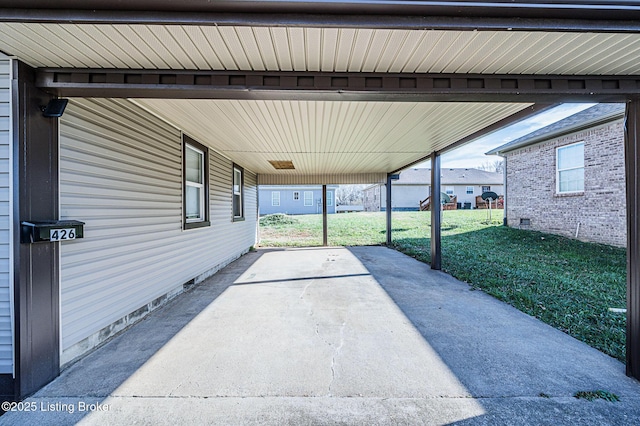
589 117
449 176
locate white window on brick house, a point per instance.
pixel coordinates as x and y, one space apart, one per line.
570 168
275 198
469 189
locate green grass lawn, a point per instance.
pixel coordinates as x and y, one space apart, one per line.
565 283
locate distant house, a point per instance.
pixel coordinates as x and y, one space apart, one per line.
295 199
414 185
568 178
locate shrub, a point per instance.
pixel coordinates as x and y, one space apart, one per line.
277 219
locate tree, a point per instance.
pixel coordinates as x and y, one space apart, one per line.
350 195
496 166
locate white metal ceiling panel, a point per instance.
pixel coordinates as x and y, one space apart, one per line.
322 138
320 49
325 138
232 43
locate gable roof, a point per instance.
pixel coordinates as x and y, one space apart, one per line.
449 176
590 117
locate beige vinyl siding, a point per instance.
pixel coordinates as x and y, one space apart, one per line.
6 329
121 174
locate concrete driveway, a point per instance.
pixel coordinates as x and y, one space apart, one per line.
360 335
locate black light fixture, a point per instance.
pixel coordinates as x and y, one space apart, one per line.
55 108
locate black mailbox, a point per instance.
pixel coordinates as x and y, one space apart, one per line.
55 230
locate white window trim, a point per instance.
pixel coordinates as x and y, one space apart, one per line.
310 199
329 198
558 149
202 185
239 192
450 188
473 191
275 195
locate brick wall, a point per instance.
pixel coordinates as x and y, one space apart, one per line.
372 198
600 209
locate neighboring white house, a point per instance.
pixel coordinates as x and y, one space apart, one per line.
568 178
414 185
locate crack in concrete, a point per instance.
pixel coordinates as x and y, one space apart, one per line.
336 352
310 313
305 290
173 391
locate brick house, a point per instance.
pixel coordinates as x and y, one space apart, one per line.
568 178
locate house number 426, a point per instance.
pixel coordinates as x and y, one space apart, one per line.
62 234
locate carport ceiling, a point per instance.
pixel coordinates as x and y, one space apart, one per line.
323 137
198 47
327 138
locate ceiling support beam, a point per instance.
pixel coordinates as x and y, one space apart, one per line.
453 15
632 162
293 85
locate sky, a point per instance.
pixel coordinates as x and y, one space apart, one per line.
472 154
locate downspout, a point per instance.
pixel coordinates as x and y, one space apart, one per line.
504 196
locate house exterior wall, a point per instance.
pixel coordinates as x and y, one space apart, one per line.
404 197
372 198
408 196
600 209
6 277
289 205
121 174
461 192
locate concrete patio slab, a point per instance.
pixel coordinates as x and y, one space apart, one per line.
361 335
